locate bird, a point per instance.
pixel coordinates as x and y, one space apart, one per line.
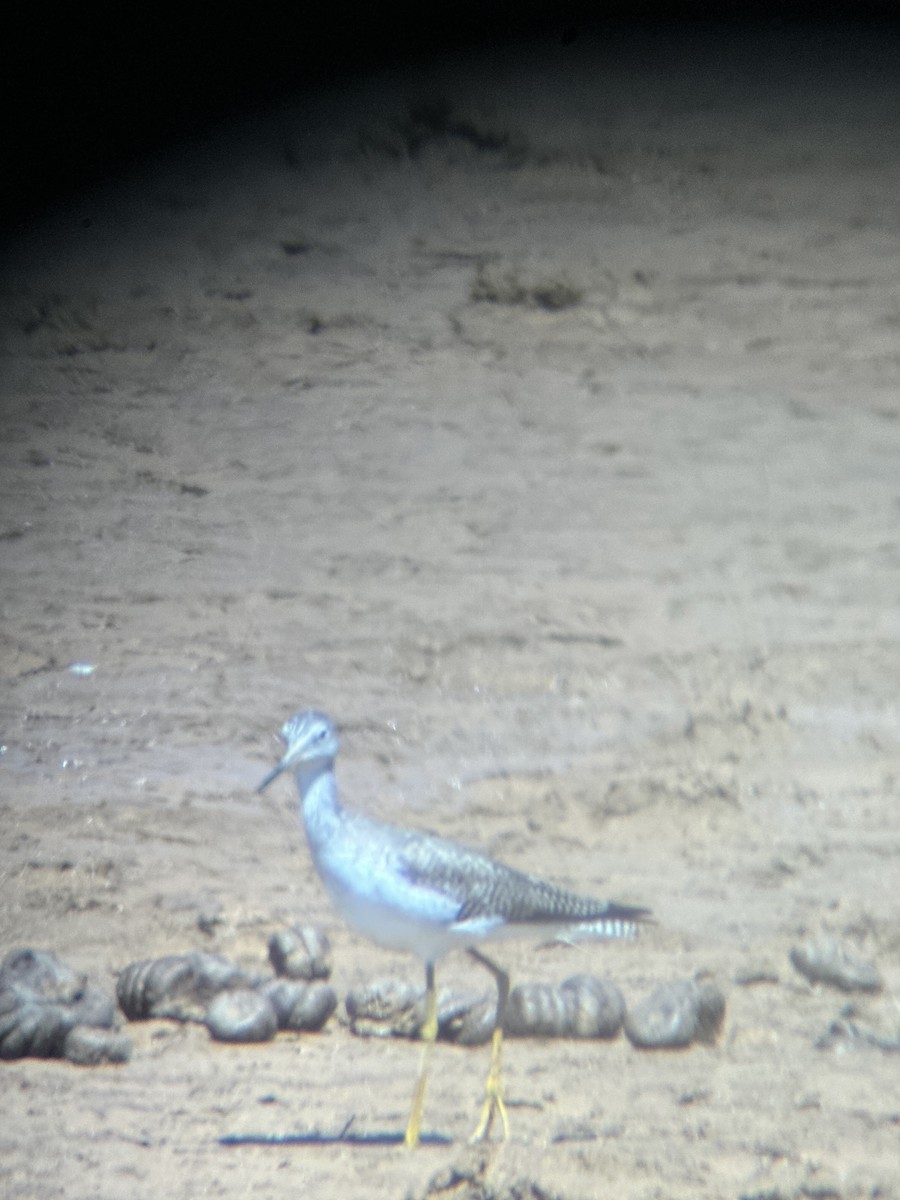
415 891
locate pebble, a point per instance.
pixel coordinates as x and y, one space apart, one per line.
300 953
177 986
241 1015
581 1007
300 1007
825 960
676 1014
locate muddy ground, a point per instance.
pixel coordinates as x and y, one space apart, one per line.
537 415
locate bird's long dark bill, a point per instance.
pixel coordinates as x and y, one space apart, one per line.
273 774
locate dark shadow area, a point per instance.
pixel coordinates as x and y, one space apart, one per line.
87 91
342 1138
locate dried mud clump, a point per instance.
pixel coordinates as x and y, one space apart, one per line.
677 1014
300 953
89 1047
581 1007
394 1008
241 1015
235 1006
825 960
47 1010
300 1007
385 1008
178 986
466 1019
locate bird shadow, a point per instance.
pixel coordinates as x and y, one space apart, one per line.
344 1137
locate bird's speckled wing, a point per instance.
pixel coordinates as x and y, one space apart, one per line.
486 890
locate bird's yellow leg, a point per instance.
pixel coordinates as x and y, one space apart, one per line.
428 1033
493 1094
493 1088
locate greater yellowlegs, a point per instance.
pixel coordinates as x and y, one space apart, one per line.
414 891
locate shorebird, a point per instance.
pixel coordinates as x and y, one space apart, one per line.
414 891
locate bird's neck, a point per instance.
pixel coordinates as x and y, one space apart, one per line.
321 808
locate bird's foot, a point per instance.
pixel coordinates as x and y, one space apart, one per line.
493 1105
493 1096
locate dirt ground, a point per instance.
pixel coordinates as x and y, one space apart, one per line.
536 415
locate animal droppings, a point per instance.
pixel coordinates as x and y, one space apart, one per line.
581 1007
47 1010
676 1014
300 953
825 960
177 986
241 1015
300 1007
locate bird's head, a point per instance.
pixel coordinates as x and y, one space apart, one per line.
309 737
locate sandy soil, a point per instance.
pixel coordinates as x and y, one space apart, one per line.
538 417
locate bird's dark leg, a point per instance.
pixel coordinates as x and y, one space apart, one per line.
428 1033
493 1088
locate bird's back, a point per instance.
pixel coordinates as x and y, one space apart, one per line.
486 889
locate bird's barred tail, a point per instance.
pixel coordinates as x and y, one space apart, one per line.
623 923
606 927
